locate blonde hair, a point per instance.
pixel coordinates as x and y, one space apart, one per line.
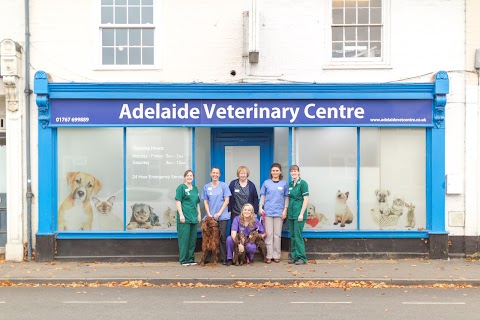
251 223
243 168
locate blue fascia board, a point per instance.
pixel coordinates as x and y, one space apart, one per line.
240 91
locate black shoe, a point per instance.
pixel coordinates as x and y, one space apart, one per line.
300 261
224 263
229 263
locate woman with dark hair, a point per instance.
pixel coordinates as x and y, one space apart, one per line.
243 191
297 215
273 206
188 216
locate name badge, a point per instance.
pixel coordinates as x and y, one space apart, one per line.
280 188
290 188
237 190
210 188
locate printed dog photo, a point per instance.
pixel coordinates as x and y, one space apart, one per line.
314 219
143 217
383 206
75 212
343 214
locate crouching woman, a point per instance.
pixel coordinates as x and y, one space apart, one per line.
245 223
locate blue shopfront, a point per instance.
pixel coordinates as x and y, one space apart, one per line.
106 148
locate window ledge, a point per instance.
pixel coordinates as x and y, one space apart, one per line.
125 68
350 66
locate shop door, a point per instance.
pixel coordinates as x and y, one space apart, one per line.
250 147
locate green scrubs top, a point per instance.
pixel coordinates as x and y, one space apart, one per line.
189 199
295 195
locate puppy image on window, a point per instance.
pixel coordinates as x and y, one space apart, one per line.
382 201
314 219
343 214
143 217
210 239
239 252
75 212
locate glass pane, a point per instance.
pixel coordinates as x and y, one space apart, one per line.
107 15
362 49
121 2
134 15
121 37
350 16
376 49
3 165
337 16
90 170
376 3
350 33
134 56
337 50
350 3
363 3
375 33
108 56
350 49
107 2
120 15
392 182
363 16
329 153
134 37
107 37
337 3
147 37
134 2
248 156
147 15
122 56
337 33
362 33
148 56
155 167
376 16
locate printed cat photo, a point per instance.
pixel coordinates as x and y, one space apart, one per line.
105 218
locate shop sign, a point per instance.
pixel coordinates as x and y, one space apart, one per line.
212 113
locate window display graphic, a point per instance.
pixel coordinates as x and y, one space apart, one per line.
155 166
90 173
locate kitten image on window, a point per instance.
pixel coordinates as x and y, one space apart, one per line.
105 218
397 207
410 215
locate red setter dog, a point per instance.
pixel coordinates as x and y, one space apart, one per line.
210 239
240 254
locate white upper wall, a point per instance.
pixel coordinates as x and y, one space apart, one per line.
203 41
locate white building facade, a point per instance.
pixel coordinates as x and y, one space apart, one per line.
346 51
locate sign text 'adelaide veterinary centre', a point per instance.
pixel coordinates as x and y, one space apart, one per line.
242 112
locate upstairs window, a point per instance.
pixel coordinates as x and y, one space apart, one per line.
127 33
357 30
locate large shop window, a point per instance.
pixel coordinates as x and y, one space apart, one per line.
120 179
363 179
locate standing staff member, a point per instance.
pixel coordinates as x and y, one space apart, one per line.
273 206
215 196
243 191
297 215
188 216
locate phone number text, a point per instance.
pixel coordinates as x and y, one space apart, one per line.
71 119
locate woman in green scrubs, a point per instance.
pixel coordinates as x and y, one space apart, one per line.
297 215
188 216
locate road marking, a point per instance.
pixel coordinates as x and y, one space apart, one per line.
92 302
422 303
213 302
322 302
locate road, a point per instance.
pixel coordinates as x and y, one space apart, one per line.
44 303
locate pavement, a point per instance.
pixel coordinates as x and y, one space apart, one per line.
403 272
